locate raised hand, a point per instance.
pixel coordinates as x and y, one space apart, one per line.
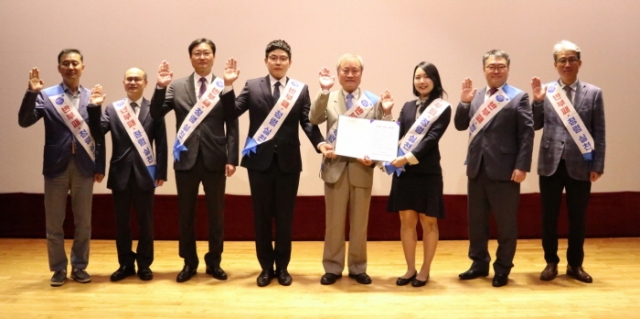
231 71
326 79
35 83
165 75
467 91
97 97
538 90
387 102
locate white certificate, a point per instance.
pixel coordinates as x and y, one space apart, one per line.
375 139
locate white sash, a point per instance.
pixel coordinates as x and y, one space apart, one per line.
137 134
366 101
72 118
276 117
490 108
417 132
198 112
571 120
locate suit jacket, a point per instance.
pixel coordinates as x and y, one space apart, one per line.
555 138
505 143
328 107
218 146
427 151
257 98
125 159
58 137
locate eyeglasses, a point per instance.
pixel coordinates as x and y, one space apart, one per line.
571 60
494 67
205 54
275 58
134 79
353 71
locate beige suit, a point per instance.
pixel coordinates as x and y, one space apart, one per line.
347 185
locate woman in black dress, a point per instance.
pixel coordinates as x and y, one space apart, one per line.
416 194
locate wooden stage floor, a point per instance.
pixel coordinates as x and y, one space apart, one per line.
614 264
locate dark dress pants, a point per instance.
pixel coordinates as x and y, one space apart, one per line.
142 200
577 196
273 195
502 198
213 183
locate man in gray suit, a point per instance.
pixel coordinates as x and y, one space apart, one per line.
499 156
348 181
571 155
208 154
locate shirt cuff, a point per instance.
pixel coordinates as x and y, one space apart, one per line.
227 89
411 158
318 146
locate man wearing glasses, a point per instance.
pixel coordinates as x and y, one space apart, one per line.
500 127
571 155
277 105
205 151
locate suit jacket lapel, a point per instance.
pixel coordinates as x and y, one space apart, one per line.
581 91
191 90
265 86
144 111
339 104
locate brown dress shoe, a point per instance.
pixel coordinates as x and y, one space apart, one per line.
549 273
579 273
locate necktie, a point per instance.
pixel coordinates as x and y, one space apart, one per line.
203 86
421 106
276 91
492 91
569 90
136 108
349 101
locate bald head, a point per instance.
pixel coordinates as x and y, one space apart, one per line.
135 81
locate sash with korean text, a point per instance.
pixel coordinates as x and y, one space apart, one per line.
417 132
72 118
276 117
364 103
199 111
490 108
137 134
571 120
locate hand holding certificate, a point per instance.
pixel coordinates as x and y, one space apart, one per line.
362 138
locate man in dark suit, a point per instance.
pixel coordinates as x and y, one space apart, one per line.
133 132
209 154
275 163
498 159
567 159
72 158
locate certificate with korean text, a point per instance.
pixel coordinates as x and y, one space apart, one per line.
366 137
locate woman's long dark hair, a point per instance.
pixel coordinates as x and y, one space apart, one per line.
432 72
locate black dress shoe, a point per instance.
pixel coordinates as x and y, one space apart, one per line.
217 273
419 283
549 273
329 278
123 272
186 273
579 273
405 281
473 274
145 274
362 278
283 277
264 279
500 280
